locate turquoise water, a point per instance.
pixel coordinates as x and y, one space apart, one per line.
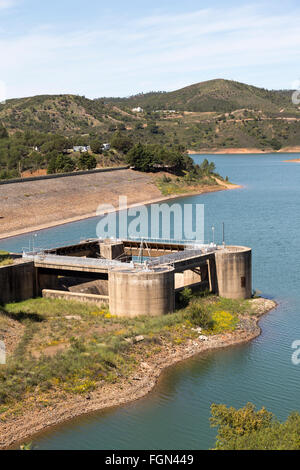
264 214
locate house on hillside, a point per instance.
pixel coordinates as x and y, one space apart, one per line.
81 148
106 147
137 110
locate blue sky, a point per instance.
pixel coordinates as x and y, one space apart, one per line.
118 48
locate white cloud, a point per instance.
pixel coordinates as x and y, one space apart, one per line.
6 4
159 50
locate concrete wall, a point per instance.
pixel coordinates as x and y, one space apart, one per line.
86 298
111 250
63 175
98 287
17 282
233 273
141 293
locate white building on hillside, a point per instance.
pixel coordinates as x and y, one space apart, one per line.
137 110
81 148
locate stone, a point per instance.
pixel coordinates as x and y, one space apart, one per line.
203 338
138 339
145 365
198 329
73 317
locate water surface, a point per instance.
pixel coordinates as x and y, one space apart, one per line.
264 214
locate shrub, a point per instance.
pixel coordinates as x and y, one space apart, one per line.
223 321
185 297
200 316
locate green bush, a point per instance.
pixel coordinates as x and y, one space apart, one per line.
252 429
200 316
4 255
185 297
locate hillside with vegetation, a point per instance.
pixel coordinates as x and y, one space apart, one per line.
214 96
39 133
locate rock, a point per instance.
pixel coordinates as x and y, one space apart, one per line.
198 329
145 365
203 338
73 317
138 339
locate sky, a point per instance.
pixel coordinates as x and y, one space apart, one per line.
101 48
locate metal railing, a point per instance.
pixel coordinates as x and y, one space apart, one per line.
174 257
74 261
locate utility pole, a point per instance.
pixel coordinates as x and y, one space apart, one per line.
33 237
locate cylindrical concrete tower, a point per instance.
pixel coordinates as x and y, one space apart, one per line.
234 272
135 292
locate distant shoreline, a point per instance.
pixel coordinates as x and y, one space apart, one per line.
243 150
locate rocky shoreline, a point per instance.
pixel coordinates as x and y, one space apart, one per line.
18 429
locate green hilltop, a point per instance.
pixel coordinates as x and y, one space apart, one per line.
214 96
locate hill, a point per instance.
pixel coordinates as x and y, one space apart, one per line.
66 114
208 116
214 96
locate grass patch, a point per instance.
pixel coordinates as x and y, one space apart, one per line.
5 259
71 347
183 184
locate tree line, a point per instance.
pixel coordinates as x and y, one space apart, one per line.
32 150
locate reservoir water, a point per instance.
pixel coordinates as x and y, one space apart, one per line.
264 215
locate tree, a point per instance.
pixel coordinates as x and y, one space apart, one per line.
87 162
96 146
121 142
249 429
276 145
61 164
51 166
141 158
3 132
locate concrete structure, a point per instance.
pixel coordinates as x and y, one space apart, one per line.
99 300
104 271
234 272
17 282
133 292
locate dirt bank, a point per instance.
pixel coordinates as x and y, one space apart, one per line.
22 427
36 205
